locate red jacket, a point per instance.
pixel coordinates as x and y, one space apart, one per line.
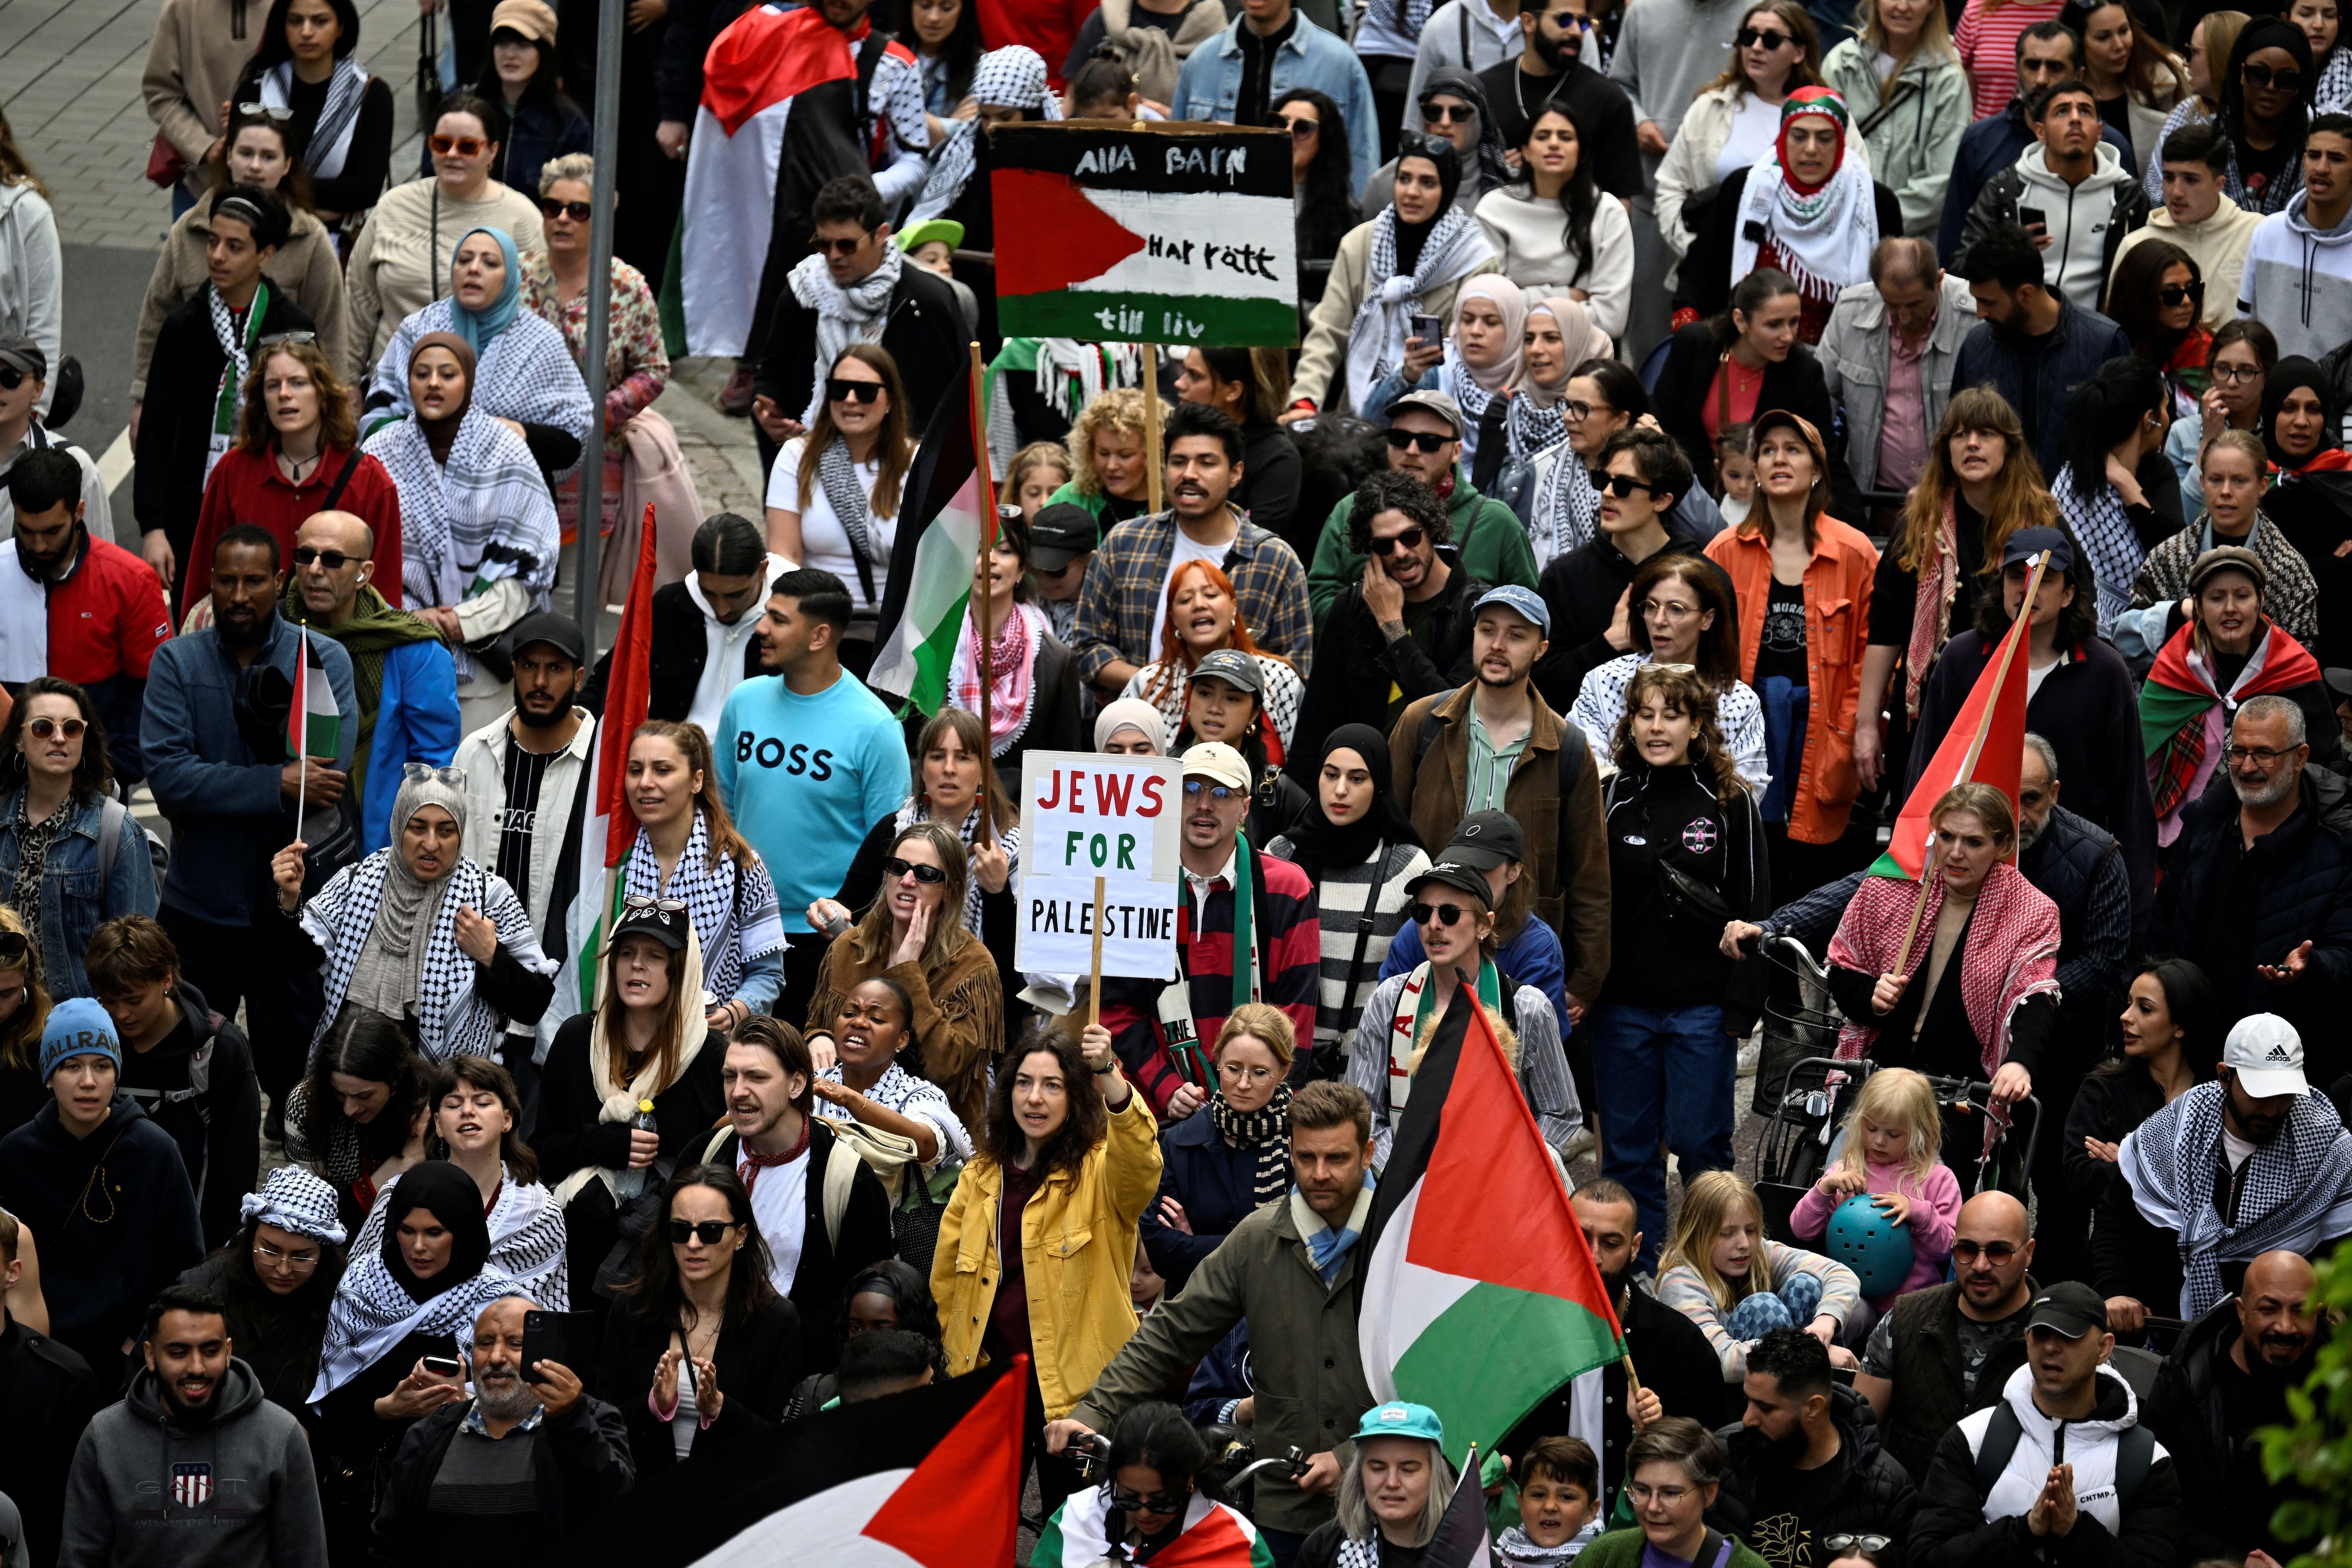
247 486
1049 27
106 621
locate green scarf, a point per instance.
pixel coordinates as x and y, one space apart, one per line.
375 629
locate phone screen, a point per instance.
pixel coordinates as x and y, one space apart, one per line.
444 1366
1428 329
2034 217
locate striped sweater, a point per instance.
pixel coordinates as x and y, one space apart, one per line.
1342 896
1681 1288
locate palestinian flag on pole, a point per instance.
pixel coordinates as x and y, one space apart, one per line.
926 1478
609 826
1214 1536
314 725
952 512
1481 1297
1156 233
1461 1538
1986 744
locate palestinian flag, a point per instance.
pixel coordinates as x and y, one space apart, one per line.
610 828
1986 744
1158 233
2179 690
1215 1536
314 725
1461 1538
926 1478
952 512
1490 1301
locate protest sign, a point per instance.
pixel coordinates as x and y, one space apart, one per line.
1145 232
1086 818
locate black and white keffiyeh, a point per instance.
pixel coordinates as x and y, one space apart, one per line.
2298 1193
451 1019
1376 337
237 340
482 516
525 374
736 917
845 317
1566 511
1012 78
1398 18
1007 840
900 1091
836 473
372 1311
2101 527
2334 93
1533 428
330 143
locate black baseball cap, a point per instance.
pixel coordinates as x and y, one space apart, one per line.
2028 543
1484 840
1060 533
668 927
22 351
560 633
1452 873
2069 1308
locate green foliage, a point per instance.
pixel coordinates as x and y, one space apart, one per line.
2316 1449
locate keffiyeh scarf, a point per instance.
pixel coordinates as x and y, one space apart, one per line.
836 474
1265 1131
524 373
1012 673
1070 374
734 911
845 317
1566 510
237 343
1010 78
1823 237
329 146
2296 1194
1400 18
1376 337
1007 840
451 1019
2184 714
2107 538
1938 582
483 516
373 1313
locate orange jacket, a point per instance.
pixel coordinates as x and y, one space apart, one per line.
1837 625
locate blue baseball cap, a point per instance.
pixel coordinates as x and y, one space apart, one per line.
1526 601
77 1026
1402 1418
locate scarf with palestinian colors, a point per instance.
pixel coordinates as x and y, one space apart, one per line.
1822 235
1406 1029
1070 374
1088 1530
237 343
2183 713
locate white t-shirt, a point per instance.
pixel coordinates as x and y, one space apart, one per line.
824 544
1753 130
780 1206
1186 550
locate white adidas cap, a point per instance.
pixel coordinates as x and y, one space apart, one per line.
2267 1055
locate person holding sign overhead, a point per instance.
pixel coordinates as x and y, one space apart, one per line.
1247 930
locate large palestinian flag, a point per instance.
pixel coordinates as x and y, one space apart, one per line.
928 1478
1155 232
947 514
1481 1297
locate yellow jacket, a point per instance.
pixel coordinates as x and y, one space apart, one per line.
1077 1252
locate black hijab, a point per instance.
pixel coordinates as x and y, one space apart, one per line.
1319 844
451 1197
2271 33
2293 372
1439 151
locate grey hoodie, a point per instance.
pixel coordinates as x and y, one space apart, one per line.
236 1491
2298 279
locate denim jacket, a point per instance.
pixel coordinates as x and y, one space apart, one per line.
74 903
1211 83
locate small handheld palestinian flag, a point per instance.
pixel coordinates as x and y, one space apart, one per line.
1214 1536
314 725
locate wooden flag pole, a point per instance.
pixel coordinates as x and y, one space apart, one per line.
1976 748
1094 985
1154 482
983 656
1632 1379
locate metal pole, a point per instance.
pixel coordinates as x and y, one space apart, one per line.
586 601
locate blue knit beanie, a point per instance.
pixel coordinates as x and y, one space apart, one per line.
78 1028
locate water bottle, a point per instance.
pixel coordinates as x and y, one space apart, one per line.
629 1183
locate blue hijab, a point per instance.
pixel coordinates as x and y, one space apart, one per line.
478 327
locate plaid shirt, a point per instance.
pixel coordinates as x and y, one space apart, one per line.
1123 585
480 1426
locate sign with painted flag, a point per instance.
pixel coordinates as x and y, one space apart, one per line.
1154 233
1087 815
314 725
926 1478
610 828
1481 1297
1986 744
946 515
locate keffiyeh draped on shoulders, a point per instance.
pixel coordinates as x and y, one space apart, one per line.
329 146
483 516
1012 78
1823 237
525 373
2108 537
1455 246
734 910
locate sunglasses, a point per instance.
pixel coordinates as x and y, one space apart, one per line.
277 340
1302 129
710 1232
824 247
1998 1251
577 211
45 728
1215 792
1619 485
1770 37
13 946
11 378
333 559
2182 293
2256 74
1443 914
1868 1545
929 875
1409 539
839 390
1446 114
636 903
463 146
1136 1502
1418 440
425 773
265 112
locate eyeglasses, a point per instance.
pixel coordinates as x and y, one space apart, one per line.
1302 129
1648 1494
2237 375
277 340
1409 539
425 773
1215 792
463 146
578 212
266 112
1620 485
1581 412
1770 37
1446 113
2256 74
1444 914
2261 757
710 1232
898 866
1242 1072
838 389
43 728
2181 293
1992 1251
300 1262
1868 1545
1418 440
1670 610
1135 1502
333 559
824 247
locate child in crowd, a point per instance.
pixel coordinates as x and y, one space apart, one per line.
1889 1150
1559 1508
1721 1272
1036 471
1734 473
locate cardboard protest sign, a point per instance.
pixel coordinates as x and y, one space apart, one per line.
1087 815
1145 232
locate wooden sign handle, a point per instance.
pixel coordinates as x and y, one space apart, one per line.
1094 985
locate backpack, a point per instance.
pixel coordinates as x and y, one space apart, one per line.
840 1174
111 815
2135 1454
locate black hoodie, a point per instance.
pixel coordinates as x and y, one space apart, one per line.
1767 1503
116 1218
218 1131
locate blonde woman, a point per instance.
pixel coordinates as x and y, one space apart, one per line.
1719 1271
1893 1152
2211 42
1735 119
1910 114
1108 477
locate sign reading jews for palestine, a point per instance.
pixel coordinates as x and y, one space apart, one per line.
1150 232
1085 815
